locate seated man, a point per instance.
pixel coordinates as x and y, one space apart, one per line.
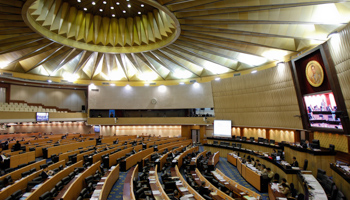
306 145
295 162
286 190
283 181
270 173
17 146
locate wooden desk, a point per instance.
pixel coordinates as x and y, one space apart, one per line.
184 184
77 184
316 159
17 174
128 189
239 190
21 159
193 163
274 194
213 160
51 182
157 190
198 178
341 179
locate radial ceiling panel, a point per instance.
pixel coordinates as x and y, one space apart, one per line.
143 40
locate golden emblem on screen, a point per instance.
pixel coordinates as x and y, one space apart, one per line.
314 73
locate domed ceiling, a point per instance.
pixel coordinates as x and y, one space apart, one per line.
163 40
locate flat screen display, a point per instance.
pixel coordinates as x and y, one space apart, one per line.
96 129
42 117
222 128
322 110
111 113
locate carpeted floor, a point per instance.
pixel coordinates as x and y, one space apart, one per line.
117 189
232 172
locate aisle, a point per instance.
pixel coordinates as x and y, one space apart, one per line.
232 172
117 189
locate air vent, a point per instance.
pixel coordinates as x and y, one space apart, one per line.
105 83
95 90
7 74
238 74
153 84
193 81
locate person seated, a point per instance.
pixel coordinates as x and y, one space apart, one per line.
295 162
283 181
257 163
23 139
174 196
270 173
286 190
252 161
263 170
203 189
306 145
258 167
17 146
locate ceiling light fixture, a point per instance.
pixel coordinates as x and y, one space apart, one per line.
117 3
217 78
112 84
182 83
93 3
112 7
254 71
79 1
139 13
101 10
146 84
85 9
124 11
129 6
113 15
104 2
142 5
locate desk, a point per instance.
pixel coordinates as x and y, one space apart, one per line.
183 187
341 178
316 159
274 192
128 189
157 190
217 194
317 191
213 160
234 186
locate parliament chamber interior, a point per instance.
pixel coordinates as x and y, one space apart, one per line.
174 100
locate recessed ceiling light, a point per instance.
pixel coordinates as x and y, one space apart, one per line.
85 9
129 6
112 84
113 15
79 1
127 0
118 3
146 84
142 5
139 13
254 71
93 3
182 83
49 81
112 7
104 2
124 11
101 10
217 79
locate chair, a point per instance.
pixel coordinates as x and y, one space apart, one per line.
53 192
207 197
331 147
293 190
276 178
334 192
16 195
46 196
49 163
43 166
300 196
59 186
65 180
305 164
24 174
320 174
84 193
8 180
32 170
340 196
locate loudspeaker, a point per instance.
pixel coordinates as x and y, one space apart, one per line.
83 107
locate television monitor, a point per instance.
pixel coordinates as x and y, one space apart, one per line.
322 111
97 129
278 158
42 116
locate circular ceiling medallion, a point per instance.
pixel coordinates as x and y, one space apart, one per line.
102 25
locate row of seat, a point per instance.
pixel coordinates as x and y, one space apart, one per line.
329 186
23 107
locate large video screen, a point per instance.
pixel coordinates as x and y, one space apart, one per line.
222 128
322 110
42 117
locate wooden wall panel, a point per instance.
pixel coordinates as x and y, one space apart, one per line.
340 141
339 46
265 99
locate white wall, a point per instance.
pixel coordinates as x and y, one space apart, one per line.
62 98
168 97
